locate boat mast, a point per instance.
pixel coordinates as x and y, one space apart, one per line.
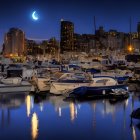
95 33
130 32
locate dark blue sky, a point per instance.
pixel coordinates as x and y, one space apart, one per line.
112 14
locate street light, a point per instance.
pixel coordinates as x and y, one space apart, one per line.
130 48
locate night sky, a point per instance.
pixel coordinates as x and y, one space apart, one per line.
112 14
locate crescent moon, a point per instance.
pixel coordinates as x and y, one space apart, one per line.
34 15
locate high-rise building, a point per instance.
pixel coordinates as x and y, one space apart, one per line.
14 43
138 30
67 36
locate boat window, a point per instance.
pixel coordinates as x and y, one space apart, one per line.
102 81
14 66
77 76
27 66
57 75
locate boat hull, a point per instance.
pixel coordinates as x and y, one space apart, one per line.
62 88
95 91
23 87
43 85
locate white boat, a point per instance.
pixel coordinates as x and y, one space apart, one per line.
69 81
20 70
42 81
131 65
99 81
28 72
11 81
24 86
42 84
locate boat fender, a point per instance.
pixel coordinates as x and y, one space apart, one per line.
103 92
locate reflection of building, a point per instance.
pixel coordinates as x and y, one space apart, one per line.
67 32
58 103
14 43
11 101
7 104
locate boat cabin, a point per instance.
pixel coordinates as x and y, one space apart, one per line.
14 70
104 81
74 77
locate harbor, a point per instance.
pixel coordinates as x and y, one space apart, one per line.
70 70
76 99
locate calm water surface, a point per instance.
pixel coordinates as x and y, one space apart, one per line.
51 118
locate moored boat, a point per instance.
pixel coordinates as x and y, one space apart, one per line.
100 87
24 86
13 83
41 84
69 81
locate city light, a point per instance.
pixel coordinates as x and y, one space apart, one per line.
130 48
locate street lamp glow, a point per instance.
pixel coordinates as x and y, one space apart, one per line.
130 48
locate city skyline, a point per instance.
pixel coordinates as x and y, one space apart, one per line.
111 14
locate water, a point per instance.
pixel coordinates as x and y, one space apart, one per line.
49 118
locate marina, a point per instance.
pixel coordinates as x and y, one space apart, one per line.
70 101
69 70
59 78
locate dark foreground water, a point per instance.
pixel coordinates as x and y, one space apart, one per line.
51 118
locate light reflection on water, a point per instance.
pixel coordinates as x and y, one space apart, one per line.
51 117
28 104
34 124
134 133
72 111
